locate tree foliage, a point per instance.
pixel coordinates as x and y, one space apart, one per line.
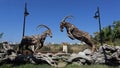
116 29
110 34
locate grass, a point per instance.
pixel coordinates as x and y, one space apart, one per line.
48 66
26 66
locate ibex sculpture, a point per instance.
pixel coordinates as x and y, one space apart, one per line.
75 33
37 40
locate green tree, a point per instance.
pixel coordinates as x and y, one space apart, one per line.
116 29
107 34
96 38
110 34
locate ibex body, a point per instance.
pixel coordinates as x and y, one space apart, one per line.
37 40
75 33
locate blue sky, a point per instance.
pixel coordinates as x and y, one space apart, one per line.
50 13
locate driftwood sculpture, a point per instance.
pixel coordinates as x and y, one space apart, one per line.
75 33
6 46
37 40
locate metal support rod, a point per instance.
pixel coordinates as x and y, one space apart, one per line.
25 14
97 15
101 37
24 22
24 26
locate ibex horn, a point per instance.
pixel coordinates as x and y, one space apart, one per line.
40 26
70 16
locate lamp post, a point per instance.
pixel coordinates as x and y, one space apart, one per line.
97 16
25 14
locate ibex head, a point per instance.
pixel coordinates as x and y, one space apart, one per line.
48 32
62 24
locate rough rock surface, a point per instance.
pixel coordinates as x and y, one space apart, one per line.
85 57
